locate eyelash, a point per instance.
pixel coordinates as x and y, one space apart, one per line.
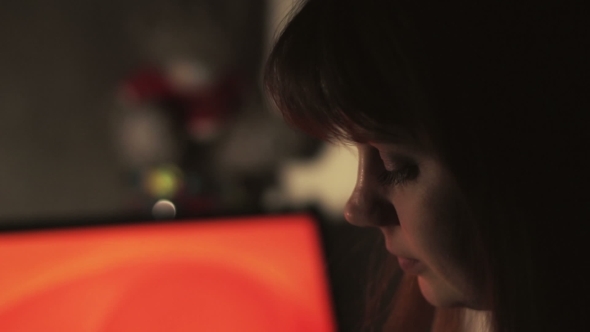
400 176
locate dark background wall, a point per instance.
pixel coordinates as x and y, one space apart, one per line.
60 62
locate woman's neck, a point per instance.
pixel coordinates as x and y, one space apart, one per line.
476 321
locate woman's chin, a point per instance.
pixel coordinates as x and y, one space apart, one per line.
438 295
443 296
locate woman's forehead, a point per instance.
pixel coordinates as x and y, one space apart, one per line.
392 135
395 139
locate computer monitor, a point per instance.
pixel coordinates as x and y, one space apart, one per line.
263 273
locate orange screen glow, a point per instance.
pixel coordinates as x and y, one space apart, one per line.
253 274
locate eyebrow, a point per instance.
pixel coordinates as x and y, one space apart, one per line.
405 142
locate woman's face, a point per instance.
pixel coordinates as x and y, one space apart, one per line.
408 193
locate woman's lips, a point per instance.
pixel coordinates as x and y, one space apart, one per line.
411 266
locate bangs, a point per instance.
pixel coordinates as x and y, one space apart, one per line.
337 75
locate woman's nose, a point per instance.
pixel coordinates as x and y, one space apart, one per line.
368 204
364 209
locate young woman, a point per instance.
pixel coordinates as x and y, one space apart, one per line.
469 124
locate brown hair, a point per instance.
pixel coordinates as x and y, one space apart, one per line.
494 89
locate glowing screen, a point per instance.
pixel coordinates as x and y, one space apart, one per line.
245 274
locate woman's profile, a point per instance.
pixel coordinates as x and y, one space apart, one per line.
469 124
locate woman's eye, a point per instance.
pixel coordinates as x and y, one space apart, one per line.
399 176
